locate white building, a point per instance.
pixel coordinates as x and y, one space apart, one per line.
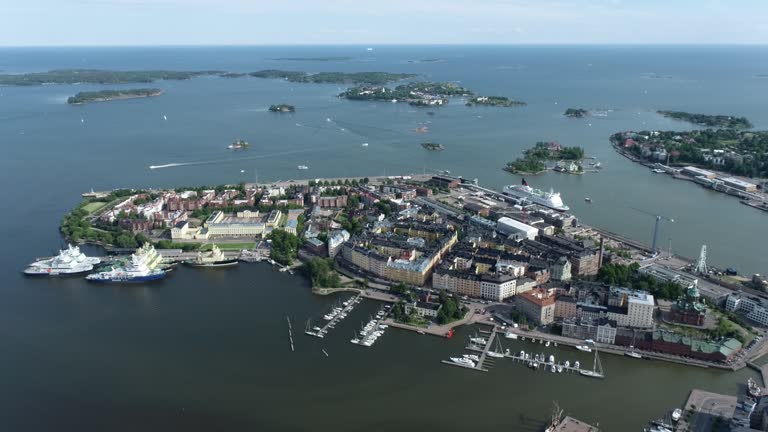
751 307
335 240
509 226
497 287
630 308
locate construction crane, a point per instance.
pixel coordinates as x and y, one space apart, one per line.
655 227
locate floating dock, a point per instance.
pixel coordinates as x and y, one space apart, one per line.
351 303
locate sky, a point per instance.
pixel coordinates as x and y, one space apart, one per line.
370 22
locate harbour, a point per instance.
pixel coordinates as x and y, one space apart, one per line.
150 341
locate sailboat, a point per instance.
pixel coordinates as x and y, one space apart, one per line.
498 351
597 369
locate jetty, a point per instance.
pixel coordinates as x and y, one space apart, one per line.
334 317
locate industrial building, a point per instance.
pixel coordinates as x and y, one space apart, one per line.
509 226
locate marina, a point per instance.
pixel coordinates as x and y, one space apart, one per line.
371 331
333 317
484 346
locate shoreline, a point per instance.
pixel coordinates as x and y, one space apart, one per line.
115 98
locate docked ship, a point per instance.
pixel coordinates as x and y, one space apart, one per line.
753 389
144 265
524 192
213 259
69 261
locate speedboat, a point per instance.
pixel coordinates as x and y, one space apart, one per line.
510 335
583 348
633 354
676 414
559 368
553 369
472 357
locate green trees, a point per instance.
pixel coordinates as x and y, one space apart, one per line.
284 247
629 277
451 310
322 273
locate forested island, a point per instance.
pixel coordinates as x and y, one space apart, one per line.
743 153
415 93
109 95
533 160
282 108
497 101
576 112
373 78
716 121
429 145
97 76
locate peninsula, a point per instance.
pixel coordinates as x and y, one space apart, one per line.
415 93
576 112
499 101
372 78
110 95
558 260
533 160
743 153
97 76
717 121
429 145
282 108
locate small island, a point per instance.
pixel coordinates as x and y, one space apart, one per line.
232 75
373 78
282 108
716 121
432 146
576 112
239 144
110 95
415 93
497 101
97 76
533 160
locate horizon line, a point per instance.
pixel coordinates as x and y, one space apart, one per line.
479 44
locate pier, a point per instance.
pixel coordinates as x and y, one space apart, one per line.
335 319
533 360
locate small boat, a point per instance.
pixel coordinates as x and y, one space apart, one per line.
495 354
463 361
316 328
567 364
559 368
365 144
553 369
576 365
583 348
658 170
588 199
546 344
551 358
302 167
510 335
633 354
472 357
522 354
676 414
753 389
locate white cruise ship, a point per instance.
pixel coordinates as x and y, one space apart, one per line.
549 199
70 261
142 267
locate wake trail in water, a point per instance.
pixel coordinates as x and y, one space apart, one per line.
224 161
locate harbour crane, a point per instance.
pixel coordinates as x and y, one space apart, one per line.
658 218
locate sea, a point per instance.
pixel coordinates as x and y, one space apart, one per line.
206 350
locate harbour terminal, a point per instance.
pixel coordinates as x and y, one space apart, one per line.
440 252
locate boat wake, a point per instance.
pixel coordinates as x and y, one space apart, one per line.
234 160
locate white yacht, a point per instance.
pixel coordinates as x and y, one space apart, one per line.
463 361
69 261
583 348
510 335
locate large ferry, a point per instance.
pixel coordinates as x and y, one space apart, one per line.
214 258
69 261
143 266
524 192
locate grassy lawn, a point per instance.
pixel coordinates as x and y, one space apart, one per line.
93 207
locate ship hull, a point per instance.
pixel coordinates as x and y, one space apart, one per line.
535 200
58 273
136 279
217 264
